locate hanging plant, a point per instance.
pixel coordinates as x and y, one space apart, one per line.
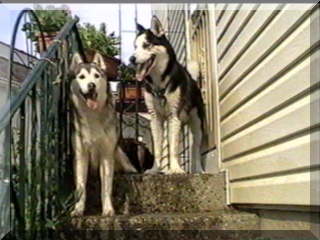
51 19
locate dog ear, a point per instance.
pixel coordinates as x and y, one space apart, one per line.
156 27
98 59
76 60
140 28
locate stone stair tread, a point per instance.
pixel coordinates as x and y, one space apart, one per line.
184 193
215 220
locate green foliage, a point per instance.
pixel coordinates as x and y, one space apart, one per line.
52 19
97 39
65 206
126 73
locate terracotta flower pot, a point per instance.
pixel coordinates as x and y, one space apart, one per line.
131 93
48 39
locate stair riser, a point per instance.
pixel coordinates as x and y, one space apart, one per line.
250 222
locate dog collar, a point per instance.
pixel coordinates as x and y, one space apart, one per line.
158 92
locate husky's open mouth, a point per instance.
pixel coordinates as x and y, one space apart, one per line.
91 99
145 68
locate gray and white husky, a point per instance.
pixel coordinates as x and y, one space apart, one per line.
96 132
171 94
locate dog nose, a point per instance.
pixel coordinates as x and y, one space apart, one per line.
132 59
91 86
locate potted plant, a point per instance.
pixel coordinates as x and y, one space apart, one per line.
127 75
94 39
98 39
51 19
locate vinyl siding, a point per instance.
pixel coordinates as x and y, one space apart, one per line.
267 63
177 30
20 70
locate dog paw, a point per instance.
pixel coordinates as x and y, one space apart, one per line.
176 171
199 170
76 213
133 170
153 171
108 213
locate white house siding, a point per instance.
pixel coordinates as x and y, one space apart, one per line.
20 71
172 17
268 66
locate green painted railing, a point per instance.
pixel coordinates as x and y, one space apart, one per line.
36 127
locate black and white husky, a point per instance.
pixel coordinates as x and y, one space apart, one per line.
96 132
171 94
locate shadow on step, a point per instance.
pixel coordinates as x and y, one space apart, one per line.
159 235
182 235
173 235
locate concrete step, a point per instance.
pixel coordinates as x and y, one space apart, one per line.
216 220
178 193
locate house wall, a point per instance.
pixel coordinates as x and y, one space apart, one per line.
268 66
267 97
20 71
267 58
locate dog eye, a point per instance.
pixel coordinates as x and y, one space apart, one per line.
146 45
81 76
96 75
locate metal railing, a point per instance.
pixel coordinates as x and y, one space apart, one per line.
37 143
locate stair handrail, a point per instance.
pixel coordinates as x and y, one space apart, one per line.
13 104
36 127
23 13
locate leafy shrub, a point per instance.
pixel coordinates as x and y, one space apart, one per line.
51 19
97 39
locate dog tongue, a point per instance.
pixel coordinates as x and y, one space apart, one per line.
140 73
139 77
92 104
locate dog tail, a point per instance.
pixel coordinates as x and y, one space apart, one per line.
205 137
124 161
194 69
